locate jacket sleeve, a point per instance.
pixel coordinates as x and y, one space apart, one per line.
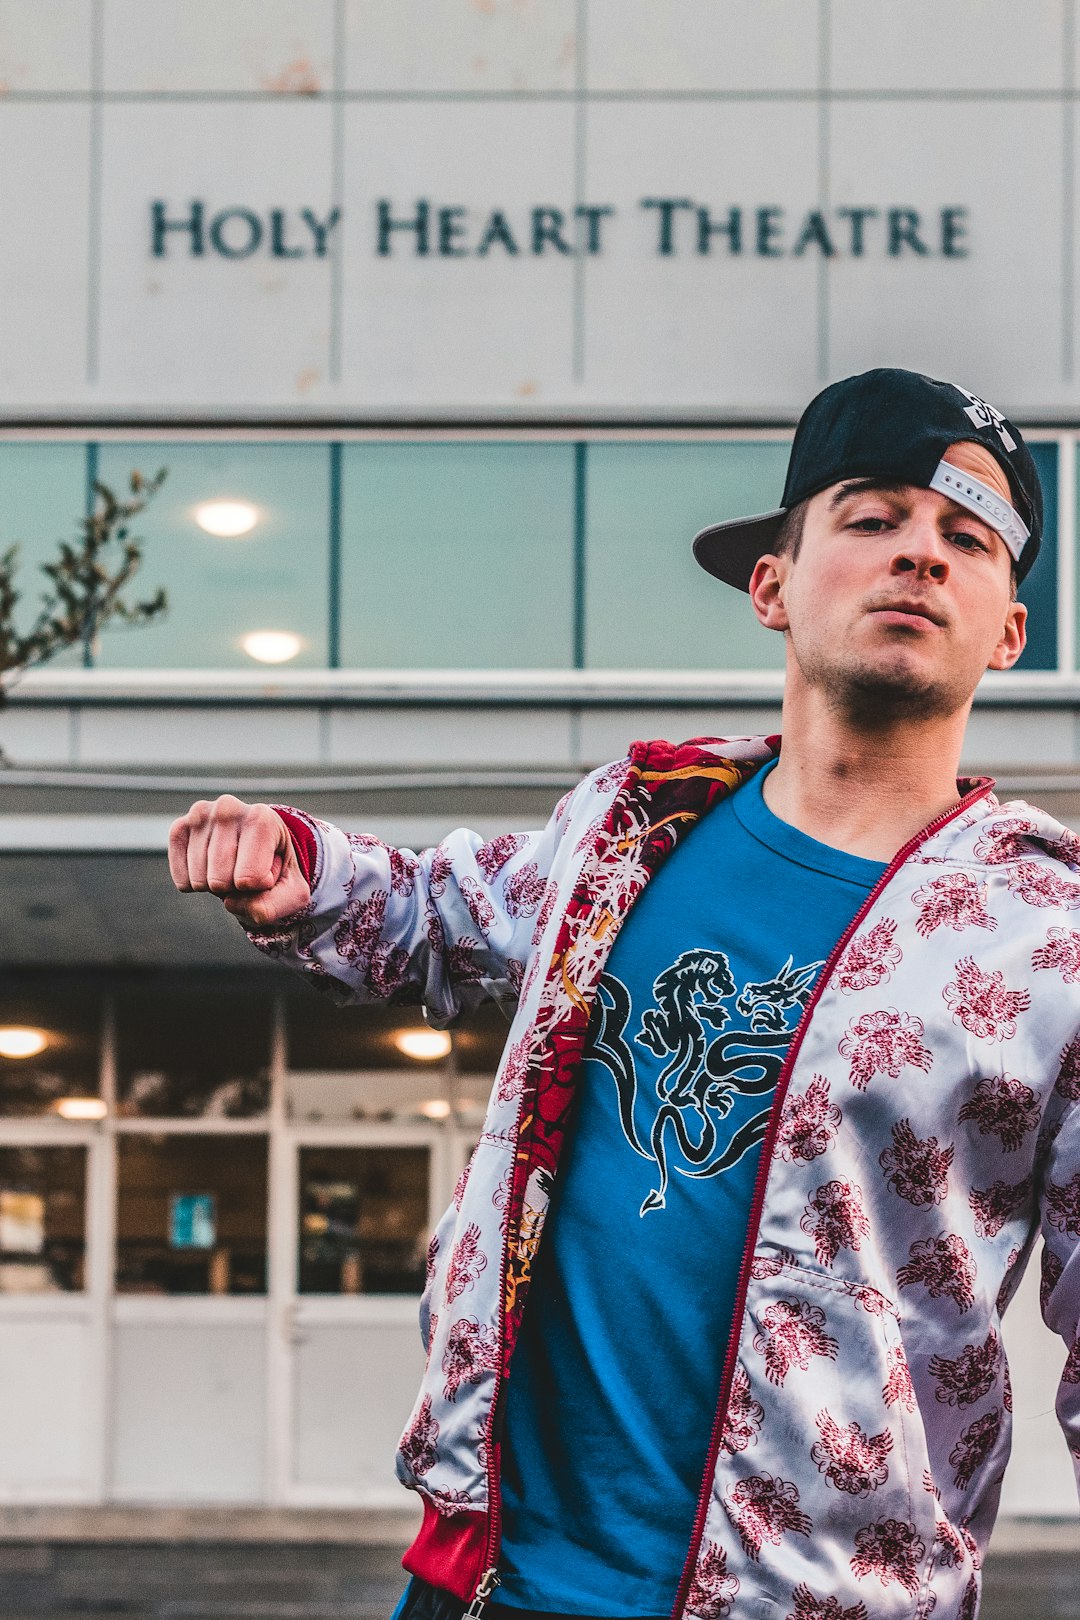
1060 1210
447 928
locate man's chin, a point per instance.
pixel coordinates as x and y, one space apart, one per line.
881 696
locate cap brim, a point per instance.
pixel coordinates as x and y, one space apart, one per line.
731 550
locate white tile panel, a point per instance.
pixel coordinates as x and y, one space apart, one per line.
470 45
992 320
270 45
715 331
702 45
44 198
966 44
182 328
438 330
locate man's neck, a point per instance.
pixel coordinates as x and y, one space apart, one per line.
863 791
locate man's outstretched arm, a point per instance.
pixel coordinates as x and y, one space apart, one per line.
449 927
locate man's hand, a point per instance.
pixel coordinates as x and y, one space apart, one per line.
241 852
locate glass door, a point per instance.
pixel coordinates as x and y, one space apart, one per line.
51 1338
362 1203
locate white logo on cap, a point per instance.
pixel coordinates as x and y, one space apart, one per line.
983 415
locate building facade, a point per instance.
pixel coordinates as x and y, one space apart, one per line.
450 323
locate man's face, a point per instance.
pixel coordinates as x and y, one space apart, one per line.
899 599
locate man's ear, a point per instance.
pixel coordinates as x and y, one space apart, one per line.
1013 638
766 591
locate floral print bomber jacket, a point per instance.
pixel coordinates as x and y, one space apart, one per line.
926 1124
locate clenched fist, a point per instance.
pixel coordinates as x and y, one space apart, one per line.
241 852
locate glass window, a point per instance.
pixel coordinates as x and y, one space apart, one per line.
42 501
458 555
193 1053
50 1042
42 1220
191 1215
345 1063
322 1035
1039 590
222 587
363 1220
647 603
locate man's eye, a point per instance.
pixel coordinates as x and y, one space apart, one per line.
870 525
969 541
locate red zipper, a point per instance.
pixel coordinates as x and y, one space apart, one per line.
767 1147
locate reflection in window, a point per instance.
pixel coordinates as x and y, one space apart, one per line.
272 576
372 1095
363 1220
193 1053
458 555
43 489
191 1215
42 1220
645 502
66 1019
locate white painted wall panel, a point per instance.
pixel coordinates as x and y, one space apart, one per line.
353 1391
45 45
423 328
993 319
203 45
715 328
44 250
1039 1480
46 1408
189 1421
958 45
460 45
703 45
181 327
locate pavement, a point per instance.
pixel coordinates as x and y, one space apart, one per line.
283 1581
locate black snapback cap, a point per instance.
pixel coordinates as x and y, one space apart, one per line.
896 425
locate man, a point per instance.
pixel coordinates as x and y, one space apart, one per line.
794 1070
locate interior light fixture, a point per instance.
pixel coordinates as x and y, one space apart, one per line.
17 1041
437 1108
226 519
81 1108
271 646
425 1044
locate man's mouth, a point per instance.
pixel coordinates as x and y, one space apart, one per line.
901 611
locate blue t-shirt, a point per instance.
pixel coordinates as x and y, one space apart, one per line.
615 1379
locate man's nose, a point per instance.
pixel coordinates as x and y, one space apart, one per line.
921 552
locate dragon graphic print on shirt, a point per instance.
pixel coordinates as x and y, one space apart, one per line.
713 1041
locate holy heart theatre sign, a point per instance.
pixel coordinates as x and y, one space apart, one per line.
665 227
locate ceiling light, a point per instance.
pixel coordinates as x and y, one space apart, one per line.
16 1041
271 646
437 1108
426 1044
227 519
81 1108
